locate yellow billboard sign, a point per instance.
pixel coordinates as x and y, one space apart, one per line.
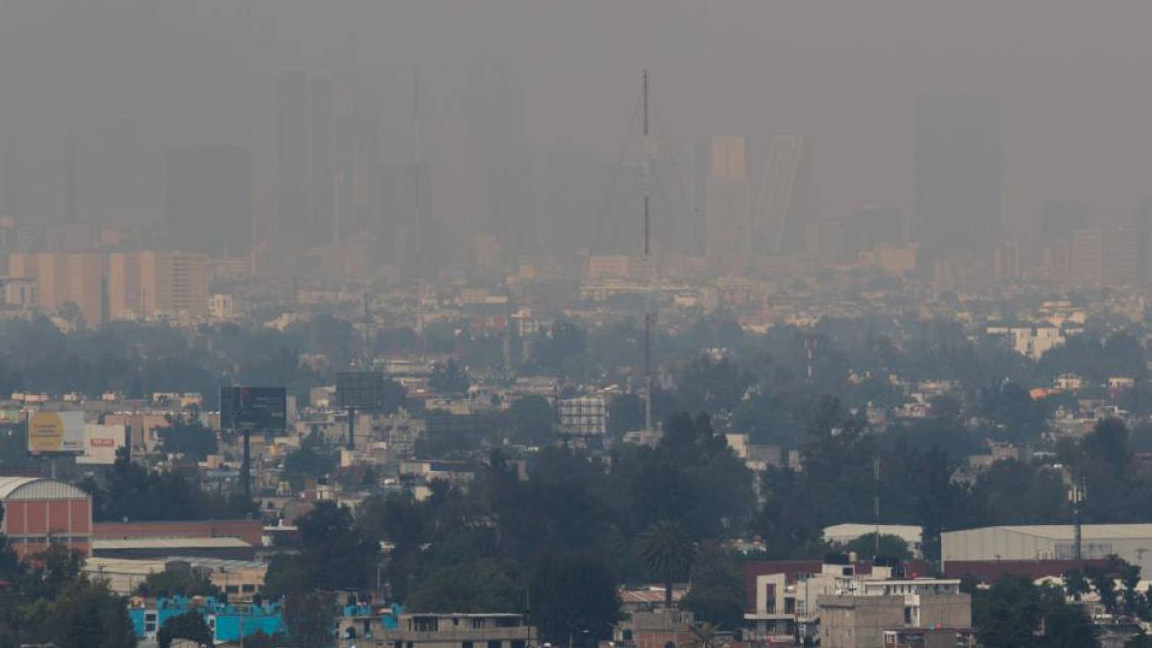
55 432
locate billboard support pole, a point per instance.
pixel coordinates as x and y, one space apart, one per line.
246 468
351 428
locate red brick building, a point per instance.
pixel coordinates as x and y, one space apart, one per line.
38 511
250 531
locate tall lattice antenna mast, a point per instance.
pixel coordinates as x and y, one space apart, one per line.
647 266
416 243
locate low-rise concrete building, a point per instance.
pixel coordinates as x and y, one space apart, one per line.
858 621
456 631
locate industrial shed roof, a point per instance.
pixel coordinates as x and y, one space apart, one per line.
36 488
1090 531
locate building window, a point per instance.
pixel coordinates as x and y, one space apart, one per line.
519 643
466 644
494 644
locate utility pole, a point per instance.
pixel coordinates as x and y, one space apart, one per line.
647 172
1077 497
367 359
876 505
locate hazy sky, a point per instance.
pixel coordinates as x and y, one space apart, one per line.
131 77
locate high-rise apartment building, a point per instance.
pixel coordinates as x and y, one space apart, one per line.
787 199
959 181
208 200
1107 257
144 285
61 278
728 244
38 178
305 158
500 165
575 183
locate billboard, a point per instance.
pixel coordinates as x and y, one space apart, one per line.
101 443
50 432
253 408
362 390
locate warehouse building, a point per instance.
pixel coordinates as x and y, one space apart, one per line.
1132 542
38 511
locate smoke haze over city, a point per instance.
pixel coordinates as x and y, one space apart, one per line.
130 78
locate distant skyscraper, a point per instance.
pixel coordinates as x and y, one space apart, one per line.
787 200
321 133
728 242
575 187
500 199
38 178
959 181
677 204
1110 256
305 157
208 199
1059 220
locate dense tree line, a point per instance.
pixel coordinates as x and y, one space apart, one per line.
131 492
50 600
555 545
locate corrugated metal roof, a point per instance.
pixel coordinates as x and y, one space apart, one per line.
150 565
1091 531
35 488
169 543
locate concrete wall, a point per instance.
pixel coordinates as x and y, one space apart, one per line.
945 610
858 621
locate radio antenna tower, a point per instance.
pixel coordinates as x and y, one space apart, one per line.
647 172
416 243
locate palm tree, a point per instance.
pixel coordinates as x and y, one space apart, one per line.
706 635
667 553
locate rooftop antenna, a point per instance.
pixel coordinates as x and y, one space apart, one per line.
647 267
809 349
416 169
1077 497
367 331
876 506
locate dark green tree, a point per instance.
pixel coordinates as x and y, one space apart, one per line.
176 582
573 597
336 555
486 585
310 617
667 554
625 413
533 420
891 546
717 592
1008 614
189 439
190 626
1108 442
449 378
1066 626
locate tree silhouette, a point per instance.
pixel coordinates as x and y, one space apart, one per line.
667 553
705 635
189 625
